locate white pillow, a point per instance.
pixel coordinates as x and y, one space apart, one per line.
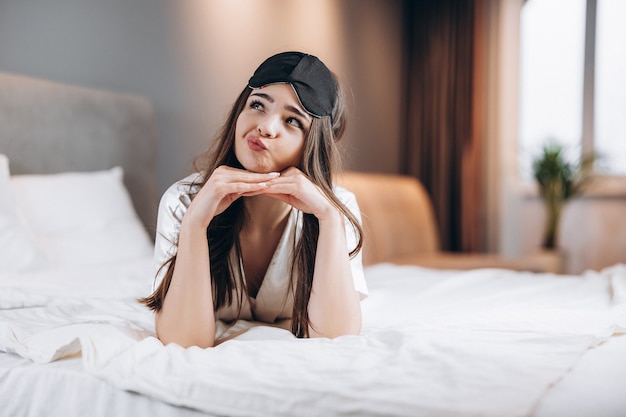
17 251
81 218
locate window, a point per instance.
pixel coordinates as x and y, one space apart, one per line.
610 85
572 84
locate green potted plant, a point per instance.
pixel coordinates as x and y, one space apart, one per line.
559 180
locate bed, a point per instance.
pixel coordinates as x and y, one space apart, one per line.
77 213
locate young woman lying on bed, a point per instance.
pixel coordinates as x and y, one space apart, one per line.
260 232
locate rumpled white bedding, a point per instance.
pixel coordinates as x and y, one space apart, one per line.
434 343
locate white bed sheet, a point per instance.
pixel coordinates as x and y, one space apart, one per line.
64 389
434 343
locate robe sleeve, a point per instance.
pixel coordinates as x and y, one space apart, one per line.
172 208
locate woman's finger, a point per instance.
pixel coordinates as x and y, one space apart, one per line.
303 195
230 174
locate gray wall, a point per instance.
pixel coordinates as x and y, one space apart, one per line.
191 58
113 45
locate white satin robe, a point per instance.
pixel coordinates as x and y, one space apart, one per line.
274 301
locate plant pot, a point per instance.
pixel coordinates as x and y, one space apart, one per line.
552 260
551 229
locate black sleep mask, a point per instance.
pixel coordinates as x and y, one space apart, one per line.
312 81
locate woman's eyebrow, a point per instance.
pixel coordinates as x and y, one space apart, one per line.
289 107
263 95
297 111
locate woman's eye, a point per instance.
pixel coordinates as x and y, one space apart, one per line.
256 105
294 122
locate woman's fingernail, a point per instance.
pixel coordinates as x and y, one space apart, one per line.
262 184
274 174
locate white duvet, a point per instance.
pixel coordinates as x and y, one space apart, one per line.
434 343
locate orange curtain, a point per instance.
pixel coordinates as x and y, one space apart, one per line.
442 121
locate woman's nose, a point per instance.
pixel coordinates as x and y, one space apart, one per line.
268 126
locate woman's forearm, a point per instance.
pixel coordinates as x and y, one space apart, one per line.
187 317
334 306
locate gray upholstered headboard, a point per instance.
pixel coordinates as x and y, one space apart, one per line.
48 127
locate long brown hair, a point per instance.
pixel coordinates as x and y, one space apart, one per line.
320 161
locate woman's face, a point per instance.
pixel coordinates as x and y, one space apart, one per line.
270 131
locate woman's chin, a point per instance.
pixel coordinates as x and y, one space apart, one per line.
260 169
257 169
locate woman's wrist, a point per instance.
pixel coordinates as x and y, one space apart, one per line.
191 223
196 219
331 216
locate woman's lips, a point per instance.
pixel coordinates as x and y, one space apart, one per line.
256 144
